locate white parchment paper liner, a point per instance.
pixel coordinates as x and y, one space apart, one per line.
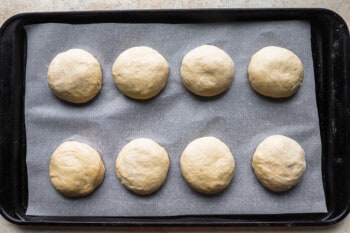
239 117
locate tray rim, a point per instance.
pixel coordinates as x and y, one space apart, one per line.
145 220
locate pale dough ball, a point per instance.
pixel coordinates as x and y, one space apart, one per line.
142 166
76 169
207 70
207 165
275 72
75 76
279 162
140 72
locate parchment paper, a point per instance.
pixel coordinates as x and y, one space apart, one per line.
239 117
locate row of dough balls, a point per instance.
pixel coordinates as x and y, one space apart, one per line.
207 164
141 73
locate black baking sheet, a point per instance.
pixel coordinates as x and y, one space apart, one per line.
225 16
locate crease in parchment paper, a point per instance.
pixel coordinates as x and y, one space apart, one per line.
239 117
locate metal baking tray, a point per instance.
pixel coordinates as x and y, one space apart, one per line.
331 54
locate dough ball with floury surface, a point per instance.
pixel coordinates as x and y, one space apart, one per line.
207 165
279 163
142 166
275 72
76 169
140 72
75 76
207 70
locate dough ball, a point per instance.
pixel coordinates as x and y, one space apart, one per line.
207 70
275 72
142 166
279 163
76 169
140 72
207 165
75 76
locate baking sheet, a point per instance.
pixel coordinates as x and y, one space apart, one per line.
239 117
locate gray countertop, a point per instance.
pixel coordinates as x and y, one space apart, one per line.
12 7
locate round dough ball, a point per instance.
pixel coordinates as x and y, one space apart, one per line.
279 163
75 76
275 72
207 165
142 166
76 169
140 72
207 70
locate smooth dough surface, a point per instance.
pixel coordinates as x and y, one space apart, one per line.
207 70
275 72
207 165
75 76
140 72
279 163
76 169
142 166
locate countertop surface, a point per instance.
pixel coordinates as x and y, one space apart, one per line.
12 7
